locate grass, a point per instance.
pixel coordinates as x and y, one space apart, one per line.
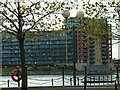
39 68
8 69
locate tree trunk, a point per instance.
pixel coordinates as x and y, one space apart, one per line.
23 67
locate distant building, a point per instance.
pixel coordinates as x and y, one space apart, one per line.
58 49
44 49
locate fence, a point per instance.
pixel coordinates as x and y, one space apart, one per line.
44 82
90 79
86 80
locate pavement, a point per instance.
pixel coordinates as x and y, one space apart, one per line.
64 88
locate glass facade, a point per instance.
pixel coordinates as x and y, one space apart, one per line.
52 49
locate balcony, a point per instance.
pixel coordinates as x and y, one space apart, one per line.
84 54
92 61
105 54
92 50
105 57
104 61
92 42
91 45
92 54
85 57
104 45
92 58
104 42
104 49
91 38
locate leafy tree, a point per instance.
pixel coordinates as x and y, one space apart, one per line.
19 17
104 11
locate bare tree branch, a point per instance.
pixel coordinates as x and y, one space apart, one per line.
8 28
10 9
11 33
8 19
41 17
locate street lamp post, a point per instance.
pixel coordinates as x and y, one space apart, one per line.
79 15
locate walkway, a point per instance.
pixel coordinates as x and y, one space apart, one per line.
64 88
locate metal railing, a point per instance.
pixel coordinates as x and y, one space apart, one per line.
86 80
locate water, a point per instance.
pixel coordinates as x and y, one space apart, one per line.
46 80
37 80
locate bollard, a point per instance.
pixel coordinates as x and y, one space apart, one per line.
8 83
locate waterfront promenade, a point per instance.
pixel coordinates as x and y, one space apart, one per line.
65 88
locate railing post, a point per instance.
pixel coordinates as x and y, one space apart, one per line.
115 85
103 79
8 83
70 81
52 81
78 80
26 76
99 79
111 79
94 79
18 78
63 75
107 78
90 80
117 75
18 83
85 80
